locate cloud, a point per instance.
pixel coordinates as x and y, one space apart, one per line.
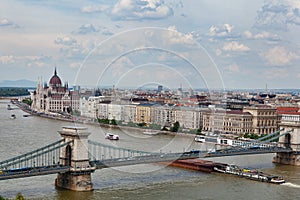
222 31
233 68
277 14
141 9
65 40
280 56
7 23
7 59
90 28
30 61
262 36
94 8
235 46
176 37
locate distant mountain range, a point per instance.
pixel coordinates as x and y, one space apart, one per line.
18 83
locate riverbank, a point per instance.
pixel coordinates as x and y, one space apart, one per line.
83 120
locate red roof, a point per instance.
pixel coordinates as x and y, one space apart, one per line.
287 110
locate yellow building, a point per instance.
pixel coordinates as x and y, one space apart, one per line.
143 113
264 119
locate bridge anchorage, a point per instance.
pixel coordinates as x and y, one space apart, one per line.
75 155
290 140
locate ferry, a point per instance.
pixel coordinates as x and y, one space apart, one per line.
111 136
248 173
242 143
199 138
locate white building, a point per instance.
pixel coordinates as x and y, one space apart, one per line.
89 108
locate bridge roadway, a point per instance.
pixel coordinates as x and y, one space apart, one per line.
116 162
46 170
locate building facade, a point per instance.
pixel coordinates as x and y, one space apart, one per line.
55 97
265 120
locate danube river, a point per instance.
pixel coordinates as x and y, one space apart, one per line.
147 181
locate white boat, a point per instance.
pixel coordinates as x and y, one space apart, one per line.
199 138
150 132
13 116
111 136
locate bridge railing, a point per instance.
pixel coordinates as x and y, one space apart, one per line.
44 156
99 151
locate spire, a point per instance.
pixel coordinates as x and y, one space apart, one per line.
55 73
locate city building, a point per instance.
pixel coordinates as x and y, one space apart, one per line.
55 97
265 120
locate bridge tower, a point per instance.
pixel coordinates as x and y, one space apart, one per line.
75 155
291 139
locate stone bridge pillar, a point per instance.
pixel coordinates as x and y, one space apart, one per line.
75 155
290 140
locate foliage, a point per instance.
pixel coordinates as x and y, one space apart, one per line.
19 197
103 121
113 122
164 128
10 92
2 198
142 124
175 127
155 126
76 112
27 101
199 131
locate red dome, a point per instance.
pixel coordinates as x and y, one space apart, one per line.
55 80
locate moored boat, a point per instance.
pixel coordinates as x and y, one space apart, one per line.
111 136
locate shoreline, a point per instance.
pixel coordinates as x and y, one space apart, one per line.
81 120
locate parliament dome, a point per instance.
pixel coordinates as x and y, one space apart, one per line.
55 80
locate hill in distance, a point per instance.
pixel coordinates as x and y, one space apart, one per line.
18 83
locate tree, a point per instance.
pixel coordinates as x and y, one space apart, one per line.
175 127
113 122
19 196
2 198
199 131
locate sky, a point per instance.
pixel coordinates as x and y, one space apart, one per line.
232 44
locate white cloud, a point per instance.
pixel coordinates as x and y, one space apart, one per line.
140 9
4 22
8 59
66 40
262 36
221 31
94 8
176 37
277 14
235 46
279 56
90 28
233 68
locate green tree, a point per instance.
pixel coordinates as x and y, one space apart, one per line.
2 198
175 127
113 122
19 196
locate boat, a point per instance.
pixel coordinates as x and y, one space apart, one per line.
248 173
276 180
26 115
8 107
199 138
111 136
150 132
13 116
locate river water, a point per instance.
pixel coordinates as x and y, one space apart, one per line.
145 181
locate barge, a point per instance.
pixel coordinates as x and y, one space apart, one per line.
210 166
249 174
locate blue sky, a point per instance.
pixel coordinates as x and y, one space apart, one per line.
195 43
